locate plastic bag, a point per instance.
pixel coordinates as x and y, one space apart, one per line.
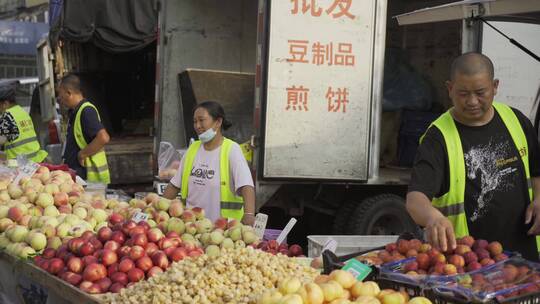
6 176
168 160
506 279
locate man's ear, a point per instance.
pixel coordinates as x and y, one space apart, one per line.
449 85
495 86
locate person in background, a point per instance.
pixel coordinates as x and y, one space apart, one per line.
477 169
86 137
17 132
213 174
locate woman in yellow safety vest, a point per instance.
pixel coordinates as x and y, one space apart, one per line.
17 132
214 174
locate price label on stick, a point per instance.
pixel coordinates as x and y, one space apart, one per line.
26 170
260 224
140 216
358 269
283 235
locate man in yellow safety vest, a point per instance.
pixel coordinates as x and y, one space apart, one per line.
477 168
86 137
17 132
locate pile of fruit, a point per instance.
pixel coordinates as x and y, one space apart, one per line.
273 247
115 258
469 255
235 276
340 287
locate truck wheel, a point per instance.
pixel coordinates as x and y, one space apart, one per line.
341 221
383 214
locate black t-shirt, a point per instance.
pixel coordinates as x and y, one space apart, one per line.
90 125
496 196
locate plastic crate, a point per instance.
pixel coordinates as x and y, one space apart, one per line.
347 243
414 290
436 298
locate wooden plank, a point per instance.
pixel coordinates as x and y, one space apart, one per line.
53 284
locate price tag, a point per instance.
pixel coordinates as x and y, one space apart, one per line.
358 269
283 235
160 188
140 216
260 224
26 170
331 245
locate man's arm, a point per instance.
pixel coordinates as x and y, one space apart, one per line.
97 144
439 230
533 211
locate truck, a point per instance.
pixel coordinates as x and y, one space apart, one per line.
301 80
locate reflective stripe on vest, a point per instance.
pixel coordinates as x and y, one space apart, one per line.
452 204
27 143
231 206
97 169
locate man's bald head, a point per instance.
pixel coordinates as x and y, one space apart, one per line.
471 64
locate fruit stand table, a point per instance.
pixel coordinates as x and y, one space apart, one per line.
23 282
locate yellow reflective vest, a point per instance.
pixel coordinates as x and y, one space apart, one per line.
27 143
452 204
97 168
232 206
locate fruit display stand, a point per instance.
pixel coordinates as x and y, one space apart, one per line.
23 282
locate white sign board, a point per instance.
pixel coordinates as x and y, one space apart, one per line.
319 88
518 73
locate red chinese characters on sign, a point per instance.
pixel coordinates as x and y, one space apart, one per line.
298 51
321 54
337 99
338 9
297 98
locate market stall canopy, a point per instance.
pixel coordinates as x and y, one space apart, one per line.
112 25
469 8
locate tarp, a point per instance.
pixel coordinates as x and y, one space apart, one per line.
112 25
20 38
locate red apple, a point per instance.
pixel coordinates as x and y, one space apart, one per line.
48 253
124 251
178 254
159 258
104 234
126 265
473 266
127 226
112 269
487 262
195 253
75 265
87 260
74 244
500 257
72 278
169 251
470 257
480 244
462 249
137 230
172 234
119 237
457 260
295 250
87 235
108 257
86 249
116 218
55 265
104 284
120 277
140 239
136 252
495 248
144 263
151 248
96 243
390 247
153 271
423 261
154 235
94 272
482 254
116 287
90 287
135 275
165 243
111 245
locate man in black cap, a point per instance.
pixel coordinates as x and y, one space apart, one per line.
17 132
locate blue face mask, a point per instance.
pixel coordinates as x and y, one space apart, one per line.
207 135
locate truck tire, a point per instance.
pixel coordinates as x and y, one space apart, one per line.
383 214
341 221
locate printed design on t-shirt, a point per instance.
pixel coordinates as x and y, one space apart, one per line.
202 174
488 162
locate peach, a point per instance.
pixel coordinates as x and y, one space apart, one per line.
495 248
449 269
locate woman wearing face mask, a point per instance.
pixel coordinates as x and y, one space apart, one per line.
213 174
17 132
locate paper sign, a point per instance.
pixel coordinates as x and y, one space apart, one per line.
358 269
26 170
160 188
331 245
283 235
260 224
140 216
